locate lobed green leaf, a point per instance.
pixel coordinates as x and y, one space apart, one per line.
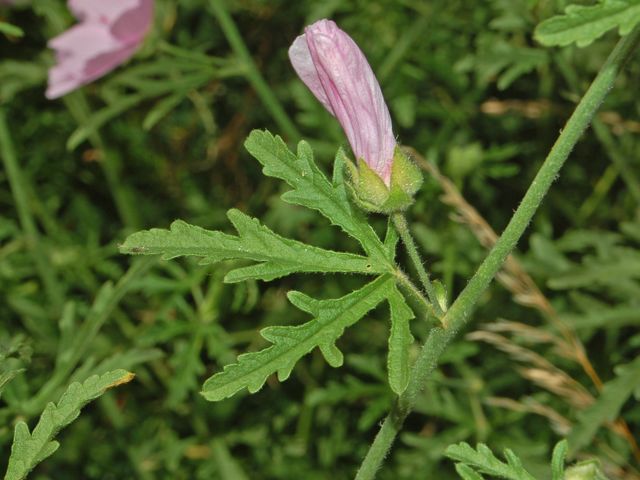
312 189
584 24
291 343
278 256
484 461
29 449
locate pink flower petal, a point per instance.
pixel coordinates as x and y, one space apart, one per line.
101 11
109 33
338 74
133 24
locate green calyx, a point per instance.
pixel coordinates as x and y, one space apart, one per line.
370 192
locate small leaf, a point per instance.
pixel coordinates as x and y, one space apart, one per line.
278 256
557 460
29 449
291 343
584 24
391 240
467 473
607 407
312 189
484 461
400 341
12 30
6 377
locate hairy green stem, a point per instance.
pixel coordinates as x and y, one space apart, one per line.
456 317
400 222
19 190
254 76
416 298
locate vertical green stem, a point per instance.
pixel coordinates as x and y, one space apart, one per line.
19 189
456 316
400 222
253 74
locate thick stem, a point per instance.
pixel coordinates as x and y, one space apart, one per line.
400 222
19 190
254 76
456 316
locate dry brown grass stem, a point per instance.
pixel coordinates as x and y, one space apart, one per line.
539 108
526 293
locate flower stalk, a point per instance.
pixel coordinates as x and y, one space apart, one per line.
456 317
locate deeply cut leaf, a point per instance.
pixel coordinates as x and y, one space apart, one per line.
278 256
312 189
291 343
482 460
584 24
29 449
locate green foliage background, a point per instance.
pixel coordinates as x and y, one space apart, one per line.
468 87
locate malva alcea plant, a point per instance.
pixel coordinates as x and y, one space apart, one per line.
336 71
379 178
384 180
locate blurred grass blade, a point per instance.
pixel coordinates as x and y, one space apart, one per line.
11 30
607 407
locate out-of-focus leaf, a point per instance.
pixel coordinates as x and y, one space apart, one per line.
484 461
584 24
12 30
607 407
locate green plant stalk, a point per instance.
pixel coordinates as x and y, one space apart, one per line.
418 302
19 190
402 227
252 73
456 317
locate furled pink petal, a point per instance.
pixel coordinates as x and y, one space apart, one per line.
109 33
101 11
133 24
336 71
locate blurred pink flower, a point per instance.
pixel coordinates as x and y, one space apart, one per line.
109 33
336 71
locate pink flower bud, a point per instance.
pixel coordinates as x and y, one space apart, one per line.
336 71
109 33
